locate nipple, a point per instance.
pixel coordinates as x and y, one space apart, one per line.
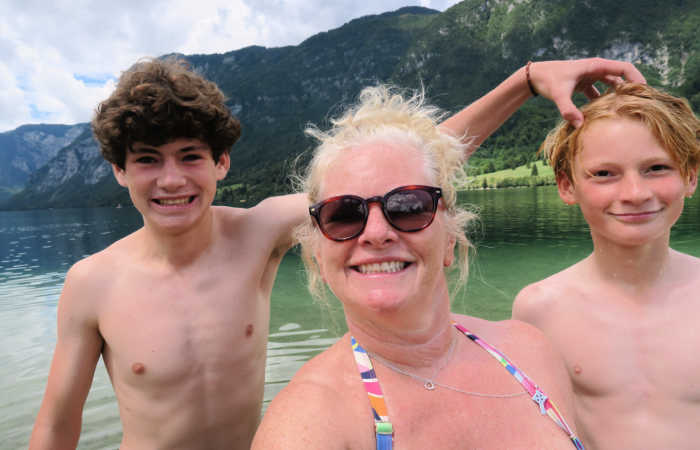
249 330
138 368
577 369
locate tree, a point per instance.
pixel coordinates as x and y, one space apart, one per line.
534 172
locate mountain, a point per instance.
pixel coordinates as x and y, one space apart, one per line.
28 148
77 176
456 55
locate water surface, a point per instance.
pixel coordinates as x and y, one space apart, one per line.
523 235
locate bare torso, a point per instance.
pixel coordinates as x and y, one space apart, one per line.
185 346
631 355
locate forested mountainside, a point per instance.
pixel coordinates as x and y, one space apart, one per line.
456 55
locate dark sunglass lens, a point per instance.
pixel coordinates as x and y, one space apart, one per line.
410 210
342 218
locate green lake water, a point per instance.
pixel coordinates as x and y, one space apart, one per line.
523 235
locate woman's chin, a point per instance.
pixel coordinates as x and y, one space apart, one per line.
385 301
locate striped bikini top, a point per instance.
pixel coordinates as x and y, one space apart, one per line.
383 429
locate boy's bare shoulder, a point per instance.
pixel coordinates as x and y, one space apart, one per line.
684 273
91 277
106 261
541 297
690 263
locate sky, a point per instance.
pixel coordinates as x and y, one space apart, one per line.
60 58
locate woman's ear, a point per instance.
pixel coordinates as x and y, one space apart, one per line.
450 251
317 259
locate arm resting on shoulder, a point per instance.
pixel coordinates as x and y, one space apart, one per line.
279 215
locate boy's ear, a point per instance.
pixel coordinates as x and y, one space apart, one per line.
692 182
222 165
120 175
566 189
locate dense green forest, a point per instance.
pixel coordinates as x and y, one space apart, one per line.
457 56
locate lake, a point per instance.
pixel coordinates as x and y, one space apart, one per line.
523 235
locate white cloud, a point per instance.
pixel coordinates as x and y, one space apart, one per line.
52 54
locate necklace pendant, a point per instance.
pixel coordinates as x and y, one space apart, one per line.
429 385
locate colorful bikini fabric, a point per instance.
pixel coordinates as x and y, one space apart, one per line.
383 428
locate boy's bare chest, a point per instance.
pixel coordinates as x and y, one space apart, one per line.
633 354
167 332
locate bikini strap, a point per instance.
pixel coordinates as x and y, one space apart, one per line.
383 429
545 404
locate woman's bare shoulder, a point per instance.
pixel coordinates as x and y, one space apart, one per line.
309 412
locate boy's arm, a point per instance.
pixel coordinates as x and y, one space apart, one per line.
78 348
279 216
555 80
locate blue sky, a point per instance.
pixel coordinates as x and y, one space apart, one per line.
59 59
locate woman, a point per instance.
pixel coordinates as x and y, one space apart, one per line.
409 374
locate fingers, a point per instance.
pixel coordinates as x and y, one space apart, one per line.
568 110
612 80
609 69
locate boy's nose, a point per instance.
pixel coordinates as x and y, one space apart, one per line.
635 189
171 177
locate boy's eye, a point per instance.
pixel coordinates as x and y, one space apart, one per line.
145 160
191 157
658 168
601 173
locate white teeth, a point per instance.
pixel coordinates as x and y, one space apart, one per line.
174 201
384 267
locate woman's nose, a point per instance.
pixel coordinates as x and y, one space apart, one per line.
378 231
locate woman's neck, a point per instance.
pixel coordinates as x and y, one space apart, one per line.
405 345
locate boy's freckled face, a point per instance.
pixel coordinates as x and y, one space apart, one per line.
172 185
628 187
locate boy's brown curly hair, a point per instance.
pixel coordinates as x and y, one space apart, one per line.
157 101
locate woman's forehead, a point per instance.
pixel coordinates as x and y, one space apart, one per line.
372 167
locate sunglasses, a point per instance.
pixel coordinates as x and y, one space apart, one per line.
406 208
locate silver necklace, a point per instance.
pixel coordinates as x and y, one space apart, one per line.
430 383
